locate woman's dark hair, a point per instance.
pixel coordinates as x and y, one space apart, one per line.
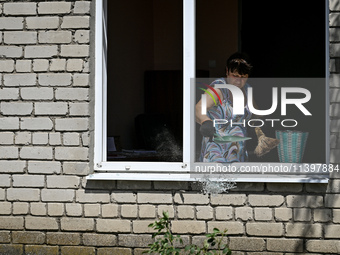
240 63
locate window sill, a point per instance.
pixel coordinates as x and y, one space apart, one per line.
277 178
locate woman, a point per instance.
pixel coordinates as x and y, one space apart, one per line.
238 69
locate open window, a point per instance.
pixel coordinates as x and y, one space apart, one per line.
148 52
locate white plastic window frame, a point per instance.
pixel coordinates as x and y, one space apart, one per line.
171 171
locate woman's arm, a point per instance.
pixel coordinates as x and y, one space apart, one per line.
200 118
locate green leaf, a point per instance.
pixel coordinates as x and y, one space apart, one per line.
188 247
226 251
210 240
165 215
206 245
216 230
229 139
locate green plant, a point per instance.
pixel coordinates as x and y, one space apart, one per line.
166 243
214 244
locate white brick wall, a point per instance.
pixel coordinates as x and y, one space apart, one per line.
11 23
20 9
48 207
39 23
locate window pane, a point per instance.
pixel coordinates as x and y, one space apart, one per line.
216 35
145 88
289 43
287 49
286 42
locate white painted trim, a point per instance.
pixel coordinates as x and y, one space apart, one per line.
327 116
104 73
98 105
100 162
150 167
189 67
188 177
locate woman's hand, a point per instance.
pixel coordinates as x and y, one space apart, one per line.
207 129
